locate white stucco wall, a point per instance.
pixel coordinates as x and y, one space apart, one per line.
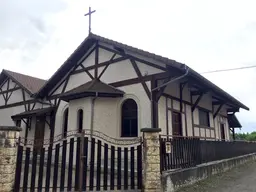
192 118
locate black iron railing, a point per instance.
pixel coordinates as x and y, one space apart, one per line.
183 152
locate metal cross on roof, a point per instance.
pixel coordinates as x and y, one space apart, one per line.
90 13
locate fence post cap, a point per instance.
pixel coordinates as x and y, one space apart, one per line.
150 130
10 128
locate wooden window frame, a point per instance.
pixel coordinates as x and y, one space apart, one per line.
207 116
123 135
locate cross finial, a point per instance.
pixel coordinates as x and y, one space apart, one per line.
90 13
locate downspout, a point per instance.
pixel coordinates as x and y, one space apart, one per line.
92 113
165 84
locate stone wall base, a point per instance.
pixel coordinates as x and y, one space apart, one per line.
173 180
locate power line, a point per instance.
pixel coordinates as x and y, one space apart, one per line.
231 69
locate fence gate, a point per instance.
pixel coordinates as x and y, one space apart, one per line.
79 162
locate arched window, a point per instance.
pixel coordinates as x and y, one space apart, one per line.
65 123
80 115
129 119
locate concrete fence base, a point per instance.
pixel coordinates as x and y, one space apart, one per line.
173 180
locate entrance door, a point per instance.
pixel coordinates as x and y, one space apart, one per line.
222 131
176 124
39 132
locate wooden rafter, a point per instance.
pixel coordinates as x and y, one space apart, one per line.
161 90
87 72
96 61
100 65
17 103
197 101
181 86
34 104
8 87
63 90
3 96
105 68
133 57
3 82
136 68
218 110
24 99
11 90
72 71
217 102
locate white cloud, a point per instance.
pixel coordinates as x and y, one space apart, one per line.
37 37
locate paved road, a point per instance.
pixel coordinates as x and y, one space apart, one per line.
240 179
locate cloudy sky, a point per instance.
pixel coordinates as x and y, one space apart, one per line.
36 37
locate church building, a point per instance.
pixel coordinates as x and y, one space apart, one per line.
115 89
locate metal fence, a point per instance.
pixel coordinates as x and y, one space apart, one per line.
80 162
182 152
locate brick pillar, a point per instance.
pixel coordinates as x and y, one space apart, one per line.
151 160
8 150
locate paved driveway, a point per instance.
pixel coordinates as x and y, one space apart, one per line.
240 179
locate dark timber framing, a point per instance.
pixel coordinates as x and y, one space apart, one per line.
96 60
218 110
200 93
181 87
143 83
106 66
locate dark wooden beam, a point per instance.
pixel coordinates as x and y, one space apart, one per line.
33 106
10 90
8 87
181 86
217 102
218 110
136 68
3 97
233 110
193 93
134 58
96 61
24 99
105 68
86 71
100 65
161 90
127 82
197 101
63 90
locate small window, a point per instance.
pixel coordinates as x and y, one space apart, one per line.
80 115
129 119
65 123
204 118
